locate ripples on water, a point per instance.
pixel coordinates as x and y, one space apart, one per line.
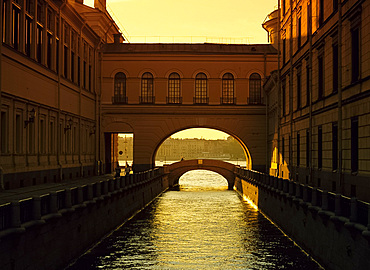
201 226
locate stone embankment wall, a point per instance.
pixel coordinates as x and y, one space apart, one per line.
333 229
48 232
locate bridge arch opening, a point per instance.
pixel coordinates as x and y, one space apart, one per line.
202 143
202 180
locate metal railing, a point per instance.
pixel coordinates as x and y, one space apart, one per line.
119 100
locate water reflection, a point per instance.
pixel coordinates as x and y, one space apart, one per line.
201 227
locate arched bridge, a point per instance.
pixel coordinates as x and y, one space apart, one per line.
177 169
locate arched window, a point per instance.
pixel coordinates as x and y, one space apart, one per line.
147 95
227 89
201 89
255 96
174 95
120 88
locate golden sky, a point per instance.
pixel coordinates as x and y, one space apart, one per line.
238 21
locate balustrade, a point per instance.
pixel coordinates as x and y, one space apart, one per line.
16 213
350 208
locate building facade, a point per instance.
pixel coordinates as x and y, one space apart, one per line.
49 89
318 100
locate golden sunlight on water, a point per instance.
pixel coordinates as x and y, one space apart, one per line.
202 225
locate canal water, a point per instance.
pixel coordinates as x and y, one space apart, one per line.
202 225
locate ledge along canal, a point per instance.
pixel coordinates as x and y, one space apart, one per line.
202 225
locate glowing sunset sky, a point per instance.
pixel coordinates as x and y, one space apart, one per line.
169 20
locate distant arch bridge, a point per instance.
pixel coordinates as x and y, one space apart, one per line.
177 169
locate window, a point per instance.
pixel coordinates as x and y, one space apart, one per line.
28 35
147 94
255 96
65 62
3 134
355 54
5 20
18 133
335 6
284 50
39 43
354 144
298 149
335 67
174 89
283 92
51 137
299 32
308 92
321 79
319 147
282 149
283 6
49 50
31 138
308 148
15 27
42 137
299 88
119 88
227 89
334 134
321 12
201 96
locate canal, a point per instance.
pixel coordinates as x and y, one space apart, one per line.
202 225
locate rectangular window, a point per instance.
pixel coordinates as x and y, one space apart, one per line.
28 36
334 147
307 85
5 19
3 134
354 144
90 78
31 138
283 88
282 149
18 134
283 6
335 68
42 137
319 147
299 32
321 12
15 27
335 6
65 62
39 44
321 79
51 138
84 76
57 55
49 50
72 66
308 149
355 54
298 149
78 71
284 50
62 138
299 89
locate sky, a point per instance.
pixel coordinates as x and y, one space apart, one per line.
198 21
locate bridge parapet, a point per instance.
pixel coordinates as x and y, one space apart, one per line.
177 169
